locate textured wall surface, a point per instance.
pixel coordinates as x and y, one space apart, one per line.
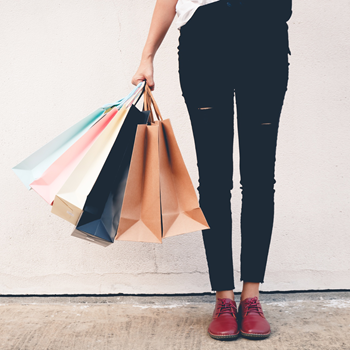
60 60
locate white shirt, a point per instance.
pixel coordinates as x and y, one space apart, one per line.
186 8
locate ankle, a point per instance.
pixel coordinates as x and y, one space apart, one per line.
250 290
225 294
249 295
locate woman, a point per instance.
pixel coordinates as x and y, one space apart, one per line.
231 48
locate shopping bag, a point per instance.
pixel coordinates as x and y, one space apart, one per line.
90 238
34 166
159 200
180 208
179 204
50 182
140 218
101 212
70 200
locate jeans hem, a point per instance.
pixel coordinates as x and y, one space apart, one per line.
252 280
231 287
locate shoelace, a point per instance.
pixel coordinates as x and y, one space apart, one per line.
253 305
226 308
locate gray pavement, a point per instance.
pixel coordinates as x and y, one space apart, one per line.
298 320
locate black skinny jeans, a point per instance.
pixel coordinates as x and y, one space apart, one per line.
224 51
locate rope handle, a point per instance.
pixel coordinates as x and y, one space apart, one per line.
149 101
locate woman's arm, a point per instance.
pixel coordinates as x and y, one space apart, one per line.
163 16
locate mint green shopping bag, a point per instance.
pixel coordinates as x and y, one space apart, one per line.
35 165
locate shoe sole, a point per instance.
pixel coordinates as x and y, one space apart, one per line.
255 336
224 337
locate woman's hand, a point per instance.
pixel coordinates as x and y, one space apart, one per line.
144 72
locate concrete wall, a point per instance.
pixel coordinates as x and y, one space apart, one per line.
60 60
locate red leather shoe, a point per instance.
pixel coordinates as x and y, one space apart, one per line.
253 323
224 324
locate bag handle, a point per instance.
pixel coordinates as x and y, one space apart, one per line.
136 95
142 92
156 108
121 102
147 105
149 101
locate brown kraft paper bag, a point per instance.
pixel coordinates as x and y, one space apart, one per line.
160 200
180 208
140 218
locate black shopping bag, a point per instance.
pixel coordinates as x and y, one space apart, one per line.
100 218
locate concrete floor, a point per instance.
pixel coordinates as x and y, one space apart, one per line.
298 321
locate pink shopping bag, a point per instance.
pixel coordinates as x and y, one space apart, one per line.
48 185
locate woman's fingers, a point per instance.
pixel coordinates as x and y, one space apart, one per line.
136 80
139 78
150 82
144 72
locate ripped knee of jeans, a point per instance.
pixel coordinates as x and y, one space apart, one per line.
204 108
265 123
